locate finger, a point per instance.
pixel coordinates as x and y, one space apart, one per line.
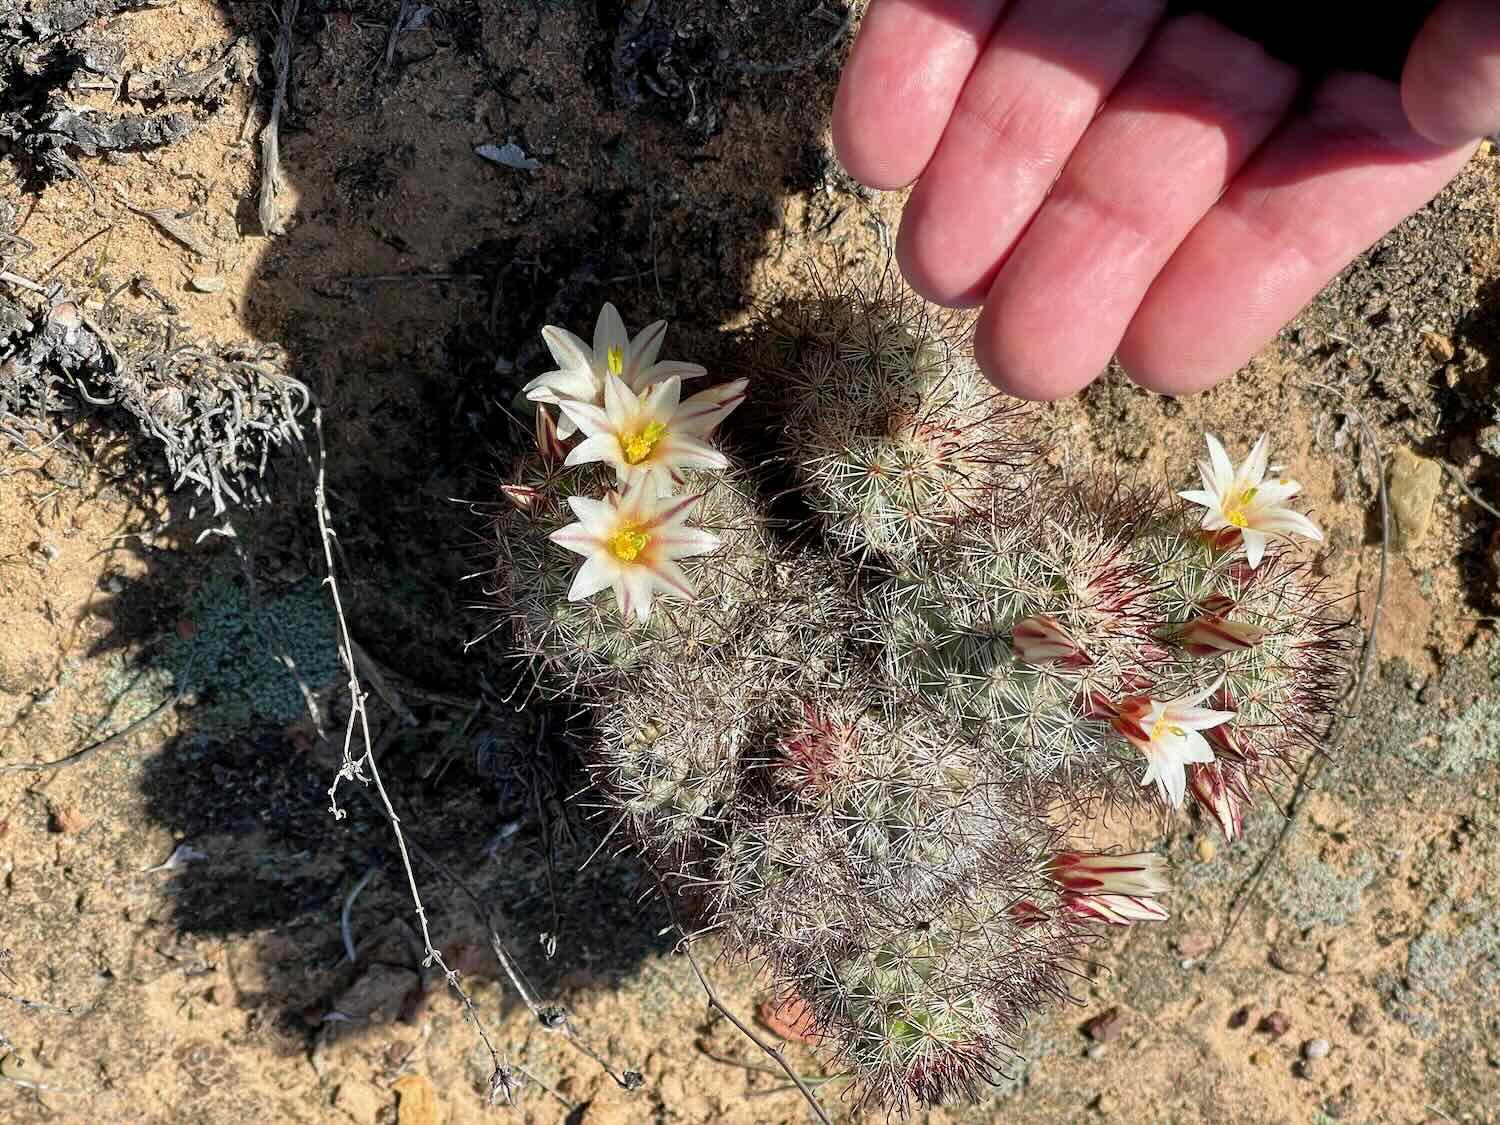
1041 79
1194 107
904 74
1451 85
1327 185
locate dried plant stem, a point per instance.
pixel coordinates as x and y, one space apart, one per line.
270 133
502 1080
718 1005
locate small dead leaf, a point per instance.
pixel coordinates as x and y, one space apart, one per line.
418 1104
508 156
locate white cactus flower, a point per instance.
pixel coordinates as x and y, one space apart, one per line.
1166 732
580 372
1245 500
652 436
631 541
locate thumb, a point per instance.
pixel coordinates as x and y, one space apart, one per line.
1450 87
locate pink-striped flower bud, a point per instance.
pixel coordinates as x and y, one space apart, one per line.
1118 889
1213 636
548 444
1041 639
1210 785
523 496
1117 910
1217 605
1132 873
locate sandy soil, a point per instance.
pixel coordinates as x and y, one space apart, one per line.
171 907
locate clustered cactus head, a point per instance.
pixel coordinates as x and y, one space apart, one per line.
856 691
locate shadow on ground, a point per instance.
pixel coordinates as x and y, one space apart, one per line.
409 289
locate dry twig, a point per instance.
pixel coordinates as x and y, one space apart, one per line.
270 133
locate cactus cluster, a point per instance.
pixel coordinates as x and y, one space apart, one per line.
892 664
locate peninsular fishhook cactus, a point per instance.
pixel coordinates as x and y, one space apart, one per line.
858 672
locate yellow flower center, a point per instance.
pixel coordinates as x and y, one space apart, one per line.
1164 727
1234 511
628 542
615 360
638 446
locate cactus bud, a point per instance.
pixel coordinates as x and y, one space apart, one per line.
1214 636
548 444
523 496
1209 785
1041 639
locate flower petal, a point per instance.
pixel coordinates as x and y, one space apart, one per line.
661 401
598 516
555 385
1203 497
689 453
609 333
703 411
1255 545
665 370
681 541
598 447
1223 468
568 351
598 571
634 591
669 577
1285 520
644 349
1253 471
586 416
576 538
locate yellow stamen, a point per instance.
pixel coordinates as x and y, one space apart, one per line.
615 360
628 542
639 445
1234 511
1163 726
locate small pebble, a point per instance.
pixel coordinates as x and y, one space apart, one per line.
1239 1018
1206 849
1275 1024
1104 1027
1314 1049
1360 1020
207 284
1097 1051
1438 345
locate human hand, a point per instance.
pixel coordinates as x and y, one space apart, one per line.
1108 180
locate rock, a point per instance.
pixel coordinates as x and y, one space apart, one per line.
1104 1027
359 1100
1314 1049
1361 1022
1096 1051
1413 484
1206 849
378 996
1195 944
1301 958
418 1104
206 285
1438 346
1275 1024
791 1019
68 820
